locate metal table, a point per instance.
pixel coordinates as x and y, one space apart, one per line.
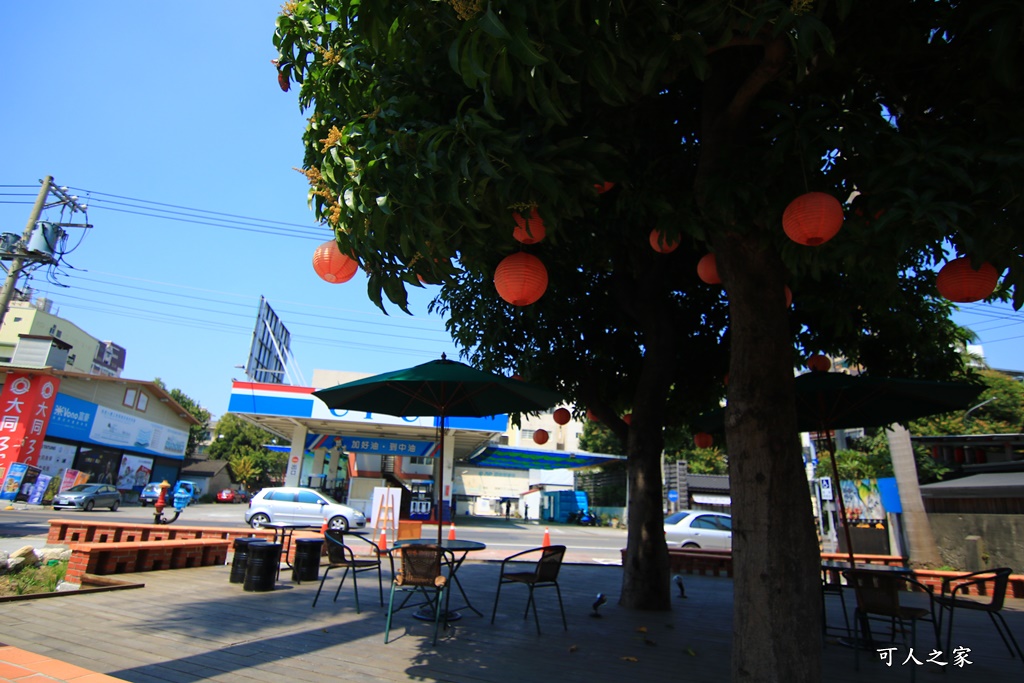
283 535
456 552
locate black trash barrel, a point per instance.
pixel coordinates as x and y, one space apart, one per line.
261 569
240 557
306 564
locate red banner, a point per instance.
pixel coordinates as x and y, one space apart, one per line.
25 407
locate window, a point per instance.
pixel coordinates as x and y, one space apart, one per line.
310 498
17 319
418 460
142 402
130 395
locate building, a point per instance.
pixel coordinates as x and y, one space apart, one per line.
60 427
26 322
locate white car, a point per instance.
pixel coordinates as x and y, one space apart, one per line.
301 506
699 529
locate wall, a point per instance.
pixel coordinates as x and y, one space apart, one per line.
1002 537
24 318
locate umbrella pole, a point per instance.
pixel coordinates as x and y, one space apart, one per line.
842 504
440 480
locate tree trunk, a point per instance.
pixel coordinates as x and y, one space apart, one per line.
645 575
776 559
923 551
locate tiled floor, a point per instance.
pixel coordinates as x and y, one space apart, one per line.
27 667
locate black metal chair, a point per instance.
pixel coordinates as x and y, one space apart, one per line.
342 556
991 583
830 585
878 597
420 573
543 575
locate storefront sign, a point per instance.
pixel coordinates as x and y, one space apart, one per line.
78 420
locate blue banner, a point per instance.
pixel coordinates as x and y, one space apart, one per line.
414 449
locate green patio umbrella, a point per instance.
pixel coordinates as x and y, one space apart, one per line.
441 388
831 400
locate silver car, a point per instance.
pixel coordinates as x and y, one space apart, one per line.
301 507
87 496
699 529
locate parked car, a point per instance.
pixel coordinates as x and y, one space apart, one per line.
87 496
150 492
699 529
232 496
294 505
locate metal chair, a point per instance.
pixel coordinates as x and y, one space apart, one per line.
830 585
991 583
543 575
878 597
341 556
420 573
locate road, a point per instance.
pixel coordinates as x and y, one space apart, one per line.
28 525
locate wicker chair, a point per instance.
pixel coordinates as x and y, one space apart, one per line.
990 582
420 573
342 556
543 575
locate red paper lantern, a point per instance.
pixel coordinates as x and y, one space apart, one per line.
789 296
591 416
813 218
529 230
819 363
703 440
628 418
333 266
707 270
521 279
540 437
663 245
562 416
603 187
958 281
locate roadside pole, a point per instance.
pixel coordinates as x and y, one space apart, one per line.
17 263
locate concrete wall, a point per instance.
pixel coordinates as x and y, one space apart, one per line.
1001 541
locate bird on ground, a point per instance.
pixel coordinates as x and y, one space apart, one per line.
601 599
678 580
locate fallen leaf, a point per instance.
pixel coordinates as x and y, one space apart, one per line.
573 648
690 652
630 659
642 629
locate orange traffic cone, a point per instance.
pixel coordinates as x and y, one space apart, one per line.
323 528
451 532
382 544
547 538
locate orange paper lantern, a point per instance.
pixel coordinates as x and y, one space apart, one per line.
603 187
529 229
333 266
703 440
562 416
661 244
540 437
813 218
591 416
707 270
628 418
521 279
789 296
959 282
819 363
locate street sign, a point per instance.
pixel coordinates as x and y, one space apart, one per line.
673 495
825 486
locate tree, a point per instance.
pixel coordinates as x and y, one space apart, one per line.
242 444
196 433
432 123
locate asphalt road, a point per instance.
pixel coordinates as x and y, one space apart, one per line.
28 525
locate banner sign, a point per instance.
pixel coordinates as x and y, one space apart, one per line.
416 449
135 473
12 484
26 404
78 420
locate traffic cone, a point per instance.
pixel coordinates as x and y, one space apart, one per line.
323 528
547 538
451 532
382 544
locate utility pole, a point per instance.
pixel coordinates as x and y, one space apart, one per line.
21 254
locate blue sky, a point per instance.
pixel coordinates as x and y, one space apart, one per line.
150 111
